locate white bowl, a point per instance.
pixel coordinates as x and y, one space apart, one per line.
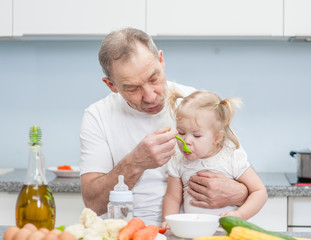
189 225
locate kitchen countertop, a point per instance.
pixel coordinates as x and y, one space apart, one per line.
13 182
277 184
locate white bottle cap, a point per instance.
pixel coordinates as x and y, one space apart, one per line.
121 192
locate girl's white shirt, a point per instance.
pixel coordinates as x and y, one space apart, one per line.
229 161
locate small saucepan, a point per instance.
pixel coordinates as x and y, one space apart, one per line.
303 164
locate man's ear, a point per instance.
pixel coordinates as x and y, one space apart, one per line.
220 136
110 84
161 59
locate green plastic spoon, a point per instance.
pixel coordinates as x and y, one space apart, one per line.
184 147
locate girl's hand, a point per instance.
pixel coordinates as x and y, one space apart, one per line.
165 225
231 213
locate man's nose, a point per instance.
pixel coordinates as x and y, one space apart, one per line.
149 94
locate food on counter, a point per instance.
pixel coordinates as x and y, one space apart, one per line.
241 233
10 233
22 234
92 227
147 233
132 226
65 167
30 232
213 238
229 222
30 226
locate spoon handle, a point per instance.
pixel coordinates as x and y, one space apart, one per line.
180 139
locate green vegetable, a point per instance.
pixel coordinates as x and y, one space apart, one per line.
108 238
230 222
62 228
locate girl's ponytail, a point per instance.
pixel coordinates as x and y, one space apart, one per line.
227 108
174 95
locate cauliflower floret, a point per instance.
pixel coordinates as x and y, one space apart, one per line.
87 217
91 233
77 230
113 226
100 227
92 237
92 227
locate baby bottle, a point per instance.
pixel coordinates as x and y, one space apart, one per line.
120 204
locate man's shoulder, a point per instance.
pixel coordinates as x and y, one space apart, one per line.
182 89
108 102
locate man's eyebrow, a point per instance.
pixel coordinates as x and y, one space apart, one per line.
155 72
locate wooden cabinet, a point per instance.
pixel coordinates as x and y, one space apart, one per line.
76 17
297 18
273 216
6 13
299 209
215 17
69 207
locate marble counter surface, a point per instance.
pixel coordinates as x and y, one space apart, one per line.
13 182
276 183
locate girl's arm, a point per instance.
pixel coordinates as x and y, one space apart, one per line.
173 197
256 198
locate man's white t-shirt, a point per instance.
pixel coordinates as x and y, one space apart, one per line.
229 161
110 130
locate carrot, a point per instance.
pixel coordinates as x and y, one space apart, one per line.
147 233
162 230
65 167
132 226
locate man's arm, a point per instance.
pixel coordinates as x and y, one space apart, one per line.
153 151
214 190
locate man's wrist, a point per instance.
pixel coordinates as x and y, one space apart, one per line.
242 196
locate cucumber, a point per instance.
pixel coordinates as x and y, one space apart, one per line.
230 222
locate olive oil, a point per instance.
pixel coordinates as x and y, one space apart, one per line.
35 203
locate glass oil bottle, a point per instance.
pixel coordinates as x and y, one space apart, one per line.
35 203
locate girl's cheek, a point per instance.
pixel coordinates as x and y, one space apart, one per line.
180 146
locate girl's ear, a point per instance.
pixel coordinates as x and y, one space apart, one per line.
220 136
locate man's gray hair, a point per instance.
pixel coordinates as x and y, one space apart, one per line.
121 44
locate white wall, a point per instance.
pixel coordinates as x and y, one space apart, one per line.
51 83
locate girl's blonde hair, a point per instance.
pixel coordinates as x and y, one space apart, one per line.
204 100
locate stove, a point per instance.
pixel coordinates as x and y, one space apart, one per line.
295 181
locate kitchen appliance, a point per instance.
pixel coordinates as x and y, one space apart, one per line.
303 158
